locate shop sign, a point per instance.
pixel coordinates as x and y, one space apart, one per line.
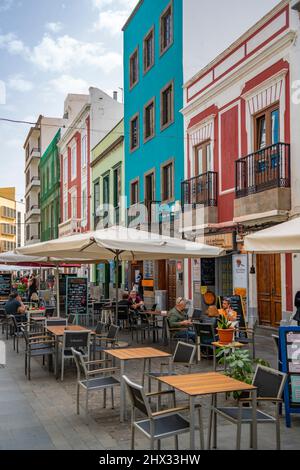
221 240
240 271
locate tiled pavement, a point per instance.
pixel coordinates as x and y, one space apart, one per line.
40 414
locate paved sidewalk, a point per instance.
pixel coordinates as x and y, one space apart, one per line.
40 414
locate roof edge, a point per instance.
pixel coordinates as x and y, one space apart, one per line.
136 8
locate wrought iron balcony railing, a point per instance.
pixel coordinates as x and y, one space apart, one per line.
201 189
266 169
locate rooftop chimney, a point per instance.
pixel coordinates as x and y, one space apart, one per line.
115 95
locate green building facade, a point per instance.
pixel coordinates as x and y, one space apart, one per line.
108 206
50 191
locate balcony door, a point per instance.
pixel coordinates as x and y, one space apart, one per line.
267 136
269 290
203 158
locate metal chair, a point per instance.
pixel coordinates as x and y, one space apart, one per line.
110 339
270 384
78 340
246 335
37 346
171 333
205 332
184 355
160 424
17 333
94 380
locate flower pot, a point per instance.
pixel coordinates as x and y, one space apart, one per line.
226 336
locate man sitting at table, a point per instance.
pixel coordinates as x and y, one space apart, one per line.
135 301
16 307
227 311
177 319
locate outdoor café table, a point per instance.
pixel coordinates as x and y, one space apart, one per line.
231 347
211 383
132 354
58 332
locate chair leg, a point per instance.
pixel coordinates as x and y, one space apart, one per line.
77 398
251 436
104 398
62 368
28 370
87 403
239 431
158 444
132 435
112 399
176 442
277 431
17 344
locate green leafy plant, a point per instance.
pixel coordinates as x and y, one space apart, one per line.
223 323
239 365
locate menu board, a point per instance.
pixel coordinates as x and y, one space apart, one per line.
5 285
289 353
208 277
77 296
63 283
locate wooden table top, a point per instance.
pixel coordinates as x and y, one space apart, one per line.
231 345
38 318
59 330
35 312
136 353
205 383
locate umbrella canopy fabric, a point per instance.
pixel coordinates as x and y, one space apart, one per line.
282 238
127 244
17 259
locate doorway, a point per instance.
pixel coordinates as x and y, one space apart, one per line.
269 290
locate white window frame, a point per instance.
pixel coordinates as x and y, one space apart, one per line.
65 170
84 151
73 162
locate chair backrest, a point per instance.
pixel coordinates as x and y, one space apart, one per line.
205 331
99 328
137 397
123 312
80 365
153 308
56 322
184 353
49 311
276 341
269 382
197 314
76 339
113 332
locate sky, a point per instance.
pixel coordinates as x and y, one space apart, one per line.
50 48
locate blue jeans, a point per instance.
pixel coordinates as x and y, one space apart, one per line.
188 334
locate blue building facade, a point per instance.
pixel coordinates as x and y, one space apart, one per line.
154 136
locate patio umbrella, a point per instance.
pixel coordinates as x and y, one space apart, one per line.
282 238
122 244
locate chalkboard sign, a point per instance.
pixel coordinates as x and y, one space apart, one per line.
208 277
289 352
77 296
5 285
63 283
237 306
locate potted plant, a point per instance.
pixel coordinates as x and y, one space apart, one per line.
225 330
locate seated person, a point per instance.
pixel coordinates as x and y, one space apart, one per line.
136 302
177 319
227 311
16 307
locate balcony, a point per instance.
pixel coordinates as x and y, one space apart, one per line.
69 227
34 153
263 183
34 210
33 183
199 195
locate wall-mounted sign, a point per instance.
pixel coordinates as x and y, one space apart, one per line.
240 271
221 240
208 268
196 269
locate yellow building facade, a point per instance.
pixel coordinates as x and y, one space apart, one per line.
7 219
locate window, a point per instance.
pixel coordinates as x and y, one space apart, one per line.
117 186
166 29
65 214
134 192
134 68
73 162
65 170
27 232
134 133
83 204
106 197
96 197
150 187
149 51
149 120
167 105
84 151
267 128
73 206
167 176
203 159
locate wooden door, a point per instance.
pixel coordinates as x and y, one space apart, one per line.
171 284
269 290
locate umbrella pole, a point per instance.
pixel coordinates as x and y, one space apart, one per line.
117 286
57 291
